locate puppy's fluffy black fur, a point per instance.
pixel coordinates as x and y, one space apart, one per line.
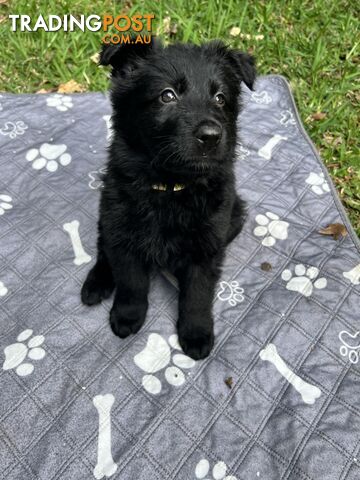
174 125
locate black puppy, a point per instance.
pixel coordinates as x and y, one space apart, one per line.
169 200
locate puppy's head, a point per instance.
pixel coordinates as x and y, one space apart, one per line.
178 105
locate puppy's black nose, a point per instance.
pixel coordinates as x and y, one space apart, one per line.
209 135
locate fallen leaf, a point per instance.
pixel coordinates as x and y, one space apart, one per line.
229 382
318 116
95 58
168 28
2 18
353 96
336 230
173 29
331 140
166 25
71 87
266 266
328 138
235 31
127 6
47 90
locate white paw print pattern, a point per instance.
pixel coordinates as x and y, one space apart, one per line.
48 156
218 472
231 292
261 97
271 228
5 203
3 290
96 178
287 118
318 183
156 356
304 281
60 102
242 152
13 129
350 346
16 353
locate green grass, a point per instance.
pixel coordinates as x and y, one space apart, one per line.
315 44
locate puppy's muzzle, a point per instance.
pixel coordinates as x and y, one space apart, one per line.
208 135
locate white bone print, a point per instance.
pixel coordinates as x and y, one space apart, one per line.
353 275
5 203
266 150
105 466
3 289
72 228
309 393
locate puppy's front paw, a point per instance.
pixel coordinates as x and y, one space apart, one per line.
96 288
196 343
126 320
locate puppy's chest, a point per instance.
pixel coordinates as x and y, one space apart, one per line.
170 230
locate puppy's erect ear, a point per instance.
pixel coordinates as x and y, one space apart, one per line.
123 57
244 65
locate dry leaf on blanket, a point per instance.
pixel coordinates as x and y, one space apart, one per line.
337 230
71 87
266 266
229 382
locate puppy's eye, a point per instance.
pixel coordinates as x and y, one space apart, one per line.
220 99
168 96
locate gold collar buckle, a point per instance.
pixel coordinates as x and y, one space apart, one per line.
163 187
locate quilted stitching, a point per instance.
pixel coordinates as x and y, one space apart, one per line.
261 427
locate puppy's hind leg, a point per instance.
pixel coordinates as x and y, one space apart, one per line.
99 283
237 219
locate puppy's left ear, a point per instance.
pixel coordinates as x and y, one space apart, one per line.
244 66
124 57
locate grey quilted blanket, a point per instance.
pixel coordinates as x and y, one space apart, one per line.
278 398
